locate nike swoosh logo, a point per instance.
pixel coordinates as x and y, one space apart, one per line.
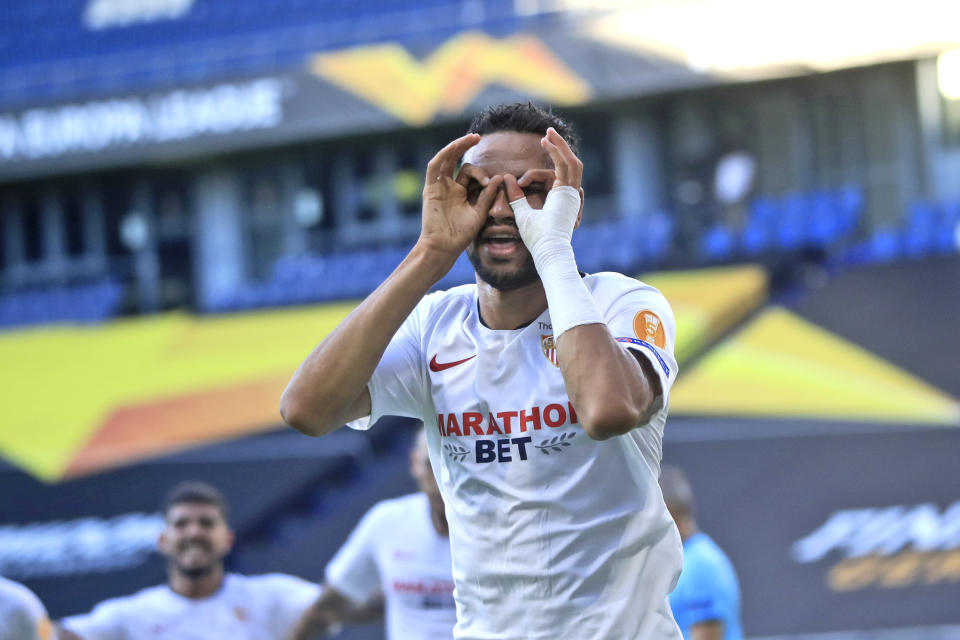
440 366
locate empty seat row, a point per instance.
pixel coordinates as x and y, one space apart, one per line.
85 303
619 245
816 219
926 229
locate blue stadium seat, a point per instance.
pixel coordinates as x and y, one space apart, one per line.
823 219
658 235
918 241
884 245
717 243
923 214
851 206
755 237
764 210
623 255
947 238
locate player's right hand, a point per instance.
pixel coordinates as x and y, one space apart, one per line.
450 219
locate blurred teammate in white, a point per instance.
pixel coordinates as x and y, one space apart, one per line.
544 391
200 601
22 615
398 559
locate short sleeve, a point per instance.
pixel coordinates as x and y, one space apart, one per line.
705 594
291 596
640 318
105 622
22 615
17 622
397 386
353 571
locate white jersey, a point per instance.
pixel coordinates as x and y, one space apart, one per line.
553 534
395 549
22 615
263 607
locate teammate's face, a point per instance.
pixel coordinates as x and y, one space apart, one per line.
196 538
421 470
497 253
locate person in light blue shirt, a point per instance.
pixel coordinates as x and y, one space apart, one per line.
706 600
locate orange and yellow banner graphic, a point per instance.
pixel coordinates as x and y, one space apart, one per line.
451 77
784 366
77 400
707 303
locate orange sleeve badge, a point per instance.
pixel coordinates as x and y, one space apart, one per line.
648 327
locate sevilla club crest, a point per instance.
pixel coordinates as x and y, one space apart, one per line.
549 349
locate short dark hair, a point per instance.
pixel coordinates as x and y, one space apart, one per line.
677 493
523 117
194 492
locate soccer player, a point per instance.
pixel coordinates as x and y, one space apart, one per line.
22 615
200 601
397 558
706 602
544 391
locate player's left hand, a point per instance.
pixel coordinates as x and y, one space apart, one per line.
552 226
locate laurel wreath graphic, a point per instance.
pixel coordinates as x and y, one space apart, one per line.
556 443
456 452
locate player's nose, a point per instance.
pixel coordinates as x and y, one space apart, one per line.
501 205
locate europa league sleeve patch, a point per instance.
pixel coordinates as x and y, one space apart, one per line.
648 327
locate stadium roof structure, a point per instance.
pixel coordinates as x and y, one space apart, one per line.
83 86
360 89
753 39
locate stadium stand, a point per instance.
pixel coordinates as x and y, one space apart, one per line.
926 229
826 220
53 50
823 219
618 245
87 304
819 219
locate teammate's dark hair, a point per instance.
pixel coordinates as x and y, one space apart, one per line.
524 117
193 492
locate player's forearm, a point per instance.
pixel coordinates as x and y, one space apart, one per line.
323 393
605 383
314 624
331 610
370 611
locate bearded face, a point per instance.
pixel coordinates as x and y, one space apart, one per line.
196 539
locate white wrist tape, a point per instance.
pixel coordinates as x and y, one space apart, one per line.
547 233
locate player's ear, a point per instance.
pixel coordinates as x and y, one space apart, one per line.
163 542
580 212
231 538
